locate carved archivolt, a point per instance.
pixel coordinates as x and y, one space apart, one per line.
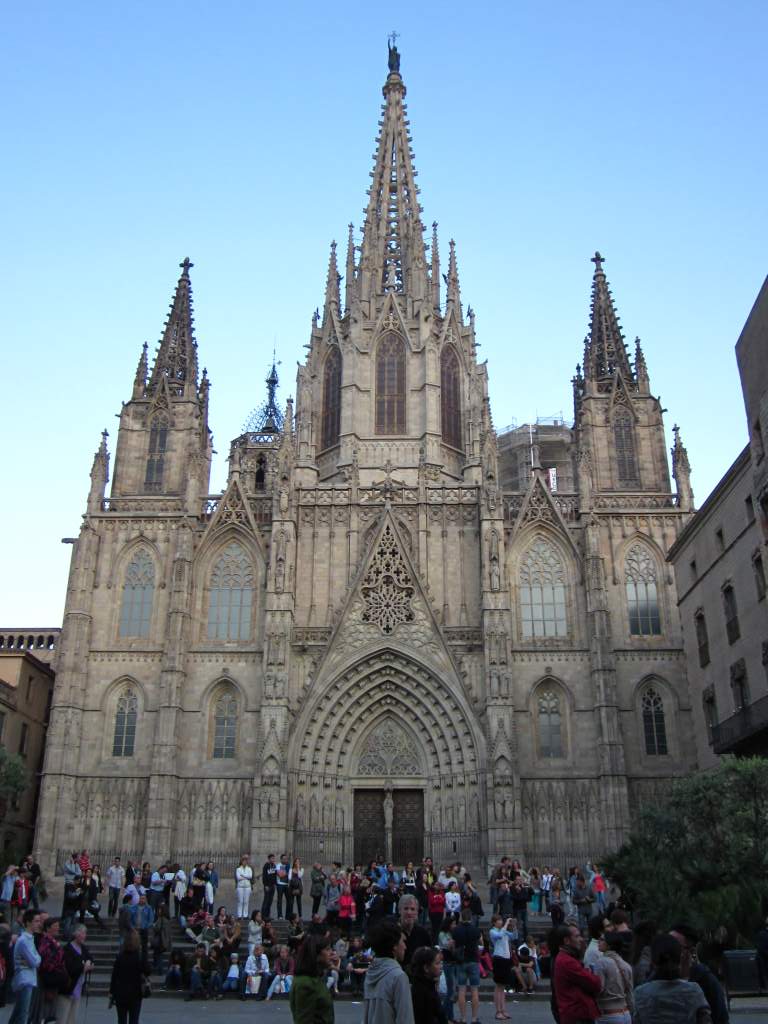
388 751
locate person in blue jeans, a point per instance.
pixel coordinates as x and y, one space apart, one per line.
465 942
26 960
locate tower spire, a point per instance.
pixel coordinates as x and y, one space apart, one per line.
349 283
176 356
681 471
140 380
435 269
393 257
332 282
453 293
267 418
604 351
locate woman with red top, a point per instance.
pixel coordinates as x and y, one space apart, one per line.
436 906
346 910
599 888
84 861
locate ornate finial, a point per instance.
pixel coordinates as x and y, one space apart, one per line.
598 260
394 56
185 265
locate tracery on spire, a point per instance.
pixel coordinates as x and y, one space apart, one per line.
176 356
267 418
604 350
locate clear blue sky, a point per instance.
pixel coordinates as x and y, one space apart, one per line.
137 134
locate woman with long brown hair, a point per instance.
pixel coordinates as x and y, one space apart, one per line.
129 981
310 999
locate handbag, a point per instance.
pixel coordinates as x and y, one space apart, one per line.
146 987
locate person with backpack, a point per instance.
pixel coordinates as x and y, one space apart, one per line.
466 937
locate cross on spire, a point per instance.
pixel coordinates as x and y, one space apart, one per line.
186 265
598 260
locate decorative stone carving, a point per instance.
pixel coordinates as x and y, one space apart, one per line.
387 587
388 751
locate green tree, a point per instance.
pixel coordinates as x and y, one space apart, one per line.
701 854
13 775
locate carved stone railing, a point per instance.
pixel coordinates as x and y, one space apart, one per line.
310 636
36 641
144 505
567 505
622 502
260 506
463 636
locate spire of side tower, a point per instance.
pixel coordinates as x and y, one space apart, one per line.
435 269
140 380
453 292
332 283
350 281
604 351
393 256
681 471
176 356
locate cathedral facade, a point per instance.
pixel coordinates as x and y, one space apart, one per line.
396 630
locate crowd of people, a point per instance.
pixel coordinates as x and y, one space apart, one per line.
411 944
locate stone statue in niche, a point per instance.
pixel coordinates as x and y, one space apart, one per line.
274 806
495 571
300 811
389 809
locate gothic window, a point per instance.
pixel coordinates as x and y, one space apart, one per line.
624 444
260 478
702 638
550 722
739 685
542 592
390 385
654 724
231 596
124 738
158 441
450 397
388 751
731 611
387 586
642 595
331 400
759 571
224 725
138 592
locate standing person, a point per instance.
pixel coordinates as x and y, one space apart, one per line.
142 919
79 964
436 904
386 993
332 898
583 898
179 890
501 935
692 970
574 988
130 974
268 880
310 999
243 885
615 1000
426 966
668 997
415 935
466 937
281 884
295 889
317 879
546 887
26 960
52 976
115 883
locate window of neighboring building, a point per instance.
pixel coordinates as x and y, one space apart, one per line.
331 423
390 385
2 727
158 442
749 508
759 571
702 638
642 595
138 593
692 564
231 595
126 713
224 726
731 614
542 592
24 739
450 397
739 685
720 539
710 710
29 690
624 442
654 724
550 723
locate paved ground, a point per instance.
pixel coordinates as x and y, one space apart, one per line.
163 1011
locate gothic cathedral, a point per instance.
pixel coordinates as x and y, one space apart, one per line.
396 630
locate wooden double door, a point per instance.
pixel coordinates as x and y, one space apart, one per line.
406 841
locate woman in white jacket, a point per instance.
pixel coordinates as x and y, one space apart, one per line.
244 883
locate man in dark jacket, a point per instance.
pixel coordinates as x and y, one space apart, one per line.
415 935
78 964
269 881
574 987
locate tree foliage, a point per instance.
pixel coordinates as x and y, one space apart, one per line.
13 775
701 854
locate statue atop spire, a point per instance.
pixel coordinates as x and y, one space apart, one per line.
394 54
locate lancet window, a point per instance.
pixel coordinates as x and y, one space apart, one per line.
654 723
224 725
624 444
390 385
158 442
231 595
450 397
126 713
331 423
543 592
642 594
138 594
550 722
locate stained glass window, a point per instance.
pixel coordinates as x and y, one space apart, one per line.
138 592
231 596
158 441
331 400
550 724
642 595
542 592
225 726
624 442
654 726
125 725
450 397
390 385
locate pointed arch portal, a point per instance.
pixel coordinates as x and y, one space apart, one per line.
389 761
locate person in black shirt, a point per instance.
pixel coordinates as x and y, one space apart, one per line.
268 880
426 966
465 941
415 935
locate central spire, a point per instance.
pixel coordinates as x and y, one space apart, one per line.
604 350
393 253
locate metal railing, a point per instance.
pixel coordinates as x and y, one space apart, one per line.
745 723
